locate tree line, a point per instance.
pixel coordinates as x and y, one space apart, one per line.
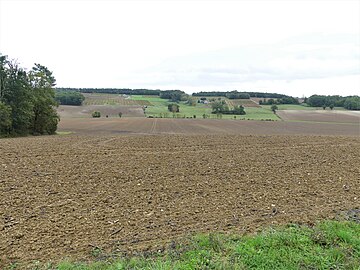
283 100
349 102
27 100
119 91
174 94
239 95
69 98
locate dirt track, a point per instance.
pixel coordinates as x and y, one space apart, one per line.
60 196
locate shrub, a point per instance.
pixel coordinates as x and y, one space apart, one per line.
274 108
96 114
174 108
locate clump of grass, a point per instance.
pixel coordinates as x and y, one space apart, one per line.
328 245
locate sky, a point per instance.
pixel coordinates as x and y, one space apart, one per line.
292 47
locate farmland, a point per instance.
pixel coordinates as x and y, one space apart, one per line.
64 196
342 116
116 187
137 125
112 99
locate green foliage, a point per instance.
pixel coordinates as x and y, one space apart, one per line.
191 101
174 108
274 108
251 94
123 91
239 110
173 95
283 100
220 107
29 97
69 98
120 114
96 114
350 103
45 118
237 95
5 119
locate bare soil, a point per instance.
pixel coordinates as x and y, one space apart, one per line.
62 196
86 111
203 126
321 116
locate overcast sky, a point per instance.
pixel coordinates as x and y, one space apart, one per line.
292 47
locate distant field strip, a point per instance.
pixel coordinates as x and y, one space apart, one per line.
111 99
243 102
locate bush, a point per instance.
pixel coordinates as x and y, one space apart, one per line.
174 108
274 108
96 114
120 114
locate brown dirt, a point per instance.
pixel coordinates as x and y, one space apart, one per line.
85 111
61 196
202 126
321 116
112 99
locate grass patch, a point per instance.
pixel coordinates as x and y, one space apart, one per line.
328 245
61 133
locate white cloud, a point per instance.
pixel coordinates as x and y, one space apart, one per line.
292 46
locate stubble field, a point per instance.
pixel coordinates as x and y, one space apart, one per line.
62 196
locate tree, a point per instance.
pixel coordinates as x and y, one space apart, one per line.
191 101
324 106
352 103
69 98
173 95
331 106
239 110
15 93
28 98
5 119
45 118
218 106
174 108
274 108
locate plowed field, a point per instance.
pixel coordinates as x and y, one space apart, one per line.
61 196
137 125
334 116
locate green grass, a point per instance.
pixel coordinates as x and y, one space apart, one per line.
328 245
160 109
61 133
